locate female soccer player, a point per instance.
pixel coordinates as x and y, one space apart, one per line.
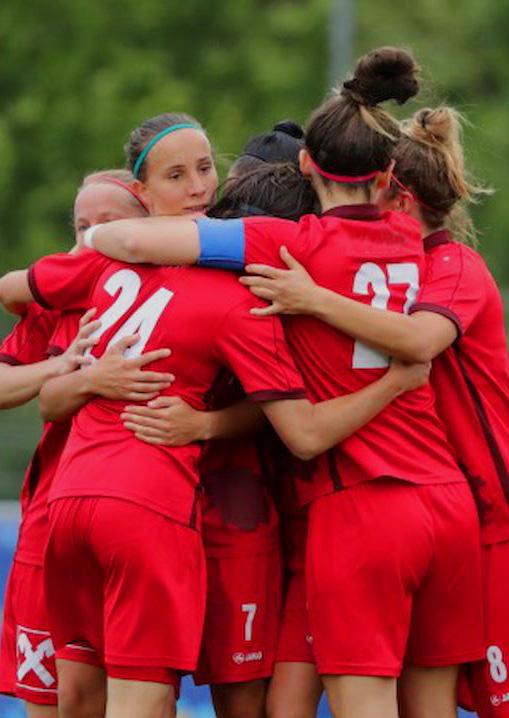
282 144
390 503
27 663
458 321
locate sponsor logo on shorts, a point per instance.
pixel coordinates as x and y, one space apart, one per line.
35 659
498 698
240 658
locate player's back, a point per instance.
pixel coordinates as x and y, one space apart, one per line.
378 261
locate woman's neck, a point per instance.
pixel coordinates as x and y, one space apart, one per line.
337 196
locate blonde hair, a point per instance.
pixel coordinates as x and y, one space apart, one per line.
430 162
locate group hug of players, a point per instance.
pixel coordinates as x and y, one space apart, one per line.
268 502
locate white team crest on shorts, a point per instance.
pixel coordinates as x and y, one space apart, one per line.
240 658
35 660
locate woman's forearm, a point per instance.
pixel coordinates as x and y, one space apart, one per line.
154 240
21 383
63 396
417 338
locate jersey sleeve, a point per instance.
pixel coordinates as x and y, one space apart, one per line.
66 281
454 286
28 341
255 350
65 332
233 243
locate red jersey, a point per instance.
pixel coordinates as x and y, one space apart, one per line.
204 318
373 258
28 343
239 514
471 378
34 529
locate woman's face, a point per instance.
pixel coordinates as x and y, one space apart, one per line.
101 202
180 175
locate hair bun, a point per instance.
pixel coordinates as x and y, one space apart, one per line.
442 124
388 73
289 127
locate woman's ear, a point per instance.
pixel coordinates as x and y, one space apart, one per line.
141 190
383 179
305 164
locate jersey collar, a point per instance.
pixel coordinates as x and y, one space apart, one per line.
435 239
366 212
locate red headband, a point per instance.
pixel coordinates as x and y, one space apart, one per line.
413 195
346 179
131 191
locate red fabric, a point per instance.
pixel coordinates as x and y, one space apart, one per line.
28 341
391 585
295 642
488 680
203 336
352 256
242 619
27 655
471 378
135 583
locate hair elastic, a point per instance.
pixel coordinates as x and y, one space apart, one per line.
346 179
114 180
143 154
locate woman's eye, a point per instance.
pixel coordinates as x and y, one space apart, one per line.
205 169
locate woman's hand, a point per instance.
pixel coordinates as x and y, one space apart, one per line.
290 291
115 377
74 355
408 376
166 421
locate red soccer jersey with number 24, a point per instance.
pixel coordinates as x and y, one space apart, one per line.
204 318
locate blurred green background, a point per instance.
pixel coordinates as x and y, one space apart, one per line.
76 77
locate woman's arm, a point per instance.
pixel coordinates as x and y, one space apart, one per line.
154 240
309 429
112 377
169 421
21 383
15 291
419 337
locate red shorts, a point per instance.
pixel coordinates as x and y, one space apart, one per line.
295 643
488 680
242 619
27 655
399 581
128 583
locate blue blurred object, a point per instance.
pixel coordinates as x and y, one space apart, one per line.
194 702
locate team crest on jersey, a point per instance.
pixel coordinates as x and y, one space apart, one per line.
35 660
240 658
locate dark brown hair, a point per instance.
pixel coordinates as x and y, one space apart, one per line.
279 190
141 136
430 162
349 134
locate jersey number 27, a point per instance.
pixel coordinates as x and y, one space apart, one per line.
372 278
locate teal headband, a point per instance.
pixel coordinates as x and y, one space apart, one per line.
155 140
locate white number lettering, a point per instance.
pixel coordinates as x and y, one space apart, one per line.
372 276
498 669
250 609
144 319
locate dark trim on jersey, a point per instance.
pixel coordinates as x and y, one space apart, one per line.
333 470
32 283
276 395
435 239
34 473
9 359
437 309
366 212
193 519
54 351
496 454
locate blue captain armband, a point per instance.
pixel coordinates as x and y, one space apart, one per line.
222 243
